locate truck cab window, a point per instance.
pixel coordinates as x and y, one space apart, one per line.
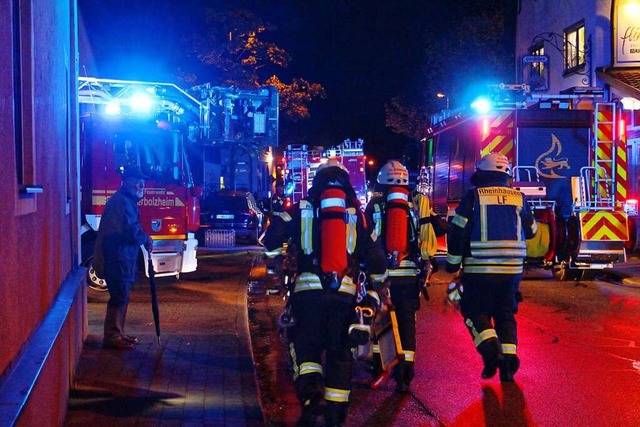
155 153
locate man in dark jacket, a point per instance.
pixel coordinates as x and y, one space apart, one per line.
119 238
323 296
488 238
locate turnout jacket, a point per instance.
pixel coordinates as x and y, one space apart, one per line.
375 213
302 228
424 226
489 230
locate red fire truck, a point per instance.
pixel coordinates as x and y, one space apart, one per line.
300 164
148 125
570 158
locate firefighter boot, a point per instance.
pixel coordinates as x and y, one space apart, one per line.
376 362
336 414
509 367
403 374
313 411
491 351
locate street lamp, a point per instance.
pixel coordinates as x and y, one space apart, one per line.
445 96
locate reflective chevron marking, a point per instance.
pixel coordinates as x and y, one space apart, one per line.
604 225
499 139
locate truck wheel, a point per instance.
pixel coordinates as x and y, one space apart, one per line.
93 281
563 273
561 239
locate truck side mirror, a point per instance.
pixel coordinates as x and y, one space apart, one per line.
197 191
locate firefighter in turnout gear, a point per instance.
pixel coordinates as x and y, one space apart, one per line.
487 237
408 236
329 235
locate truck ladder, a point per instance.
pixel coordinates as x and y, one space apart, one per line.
313 161
595 189
597 184
297 164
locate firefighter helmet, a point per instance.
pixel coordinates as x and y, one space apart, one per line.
331 171
330 163
494 162
393 173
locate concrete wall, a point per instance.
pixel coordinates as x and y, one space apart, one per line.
43 316
543 16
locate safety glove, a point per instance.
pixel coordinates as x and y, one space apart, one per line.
384 294
454 293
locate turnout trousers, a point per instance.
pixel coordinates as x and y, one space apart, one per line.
322 319
488 305
406 300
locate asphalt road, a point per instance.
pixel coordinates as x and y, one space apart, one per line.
579 352
580 365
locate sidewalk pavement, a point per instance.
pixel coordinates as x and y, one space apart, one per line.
200 374
627 273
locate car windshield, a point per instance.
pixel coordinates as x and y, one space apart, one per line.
231 203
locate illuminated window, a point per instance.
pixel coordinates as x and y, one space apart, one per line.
574 48
537 68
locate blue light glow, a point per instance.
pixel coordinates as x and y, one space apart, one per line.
141 103
289 188
482 105
112 108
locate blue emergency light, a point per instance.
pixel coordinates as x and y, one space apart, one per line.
482 105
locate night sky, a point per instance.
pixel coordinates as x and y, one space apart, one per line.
363 52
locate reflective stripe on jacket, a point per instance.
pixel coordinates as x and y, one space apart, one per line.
376 214
304 237
489 231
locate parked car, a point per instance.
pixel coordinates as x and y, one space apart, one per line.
233 210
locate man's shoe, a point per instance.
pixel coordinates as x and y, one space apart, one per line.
118 343
509 367
130 338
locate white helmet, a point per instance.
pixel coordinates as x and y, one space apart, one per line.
331 162
494 162
393 173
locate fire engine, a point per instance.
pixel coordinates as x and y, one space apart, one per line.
569 157
148 125
240 129
300 164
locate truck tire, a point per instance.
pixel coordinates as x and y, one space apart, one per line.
93 281
561 240
633 245
563 273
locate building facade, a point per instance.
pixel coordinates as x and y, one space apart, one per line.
43 317
584 49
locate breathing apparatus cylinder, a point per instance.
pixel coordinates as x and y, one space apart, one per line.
396 224
333 238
